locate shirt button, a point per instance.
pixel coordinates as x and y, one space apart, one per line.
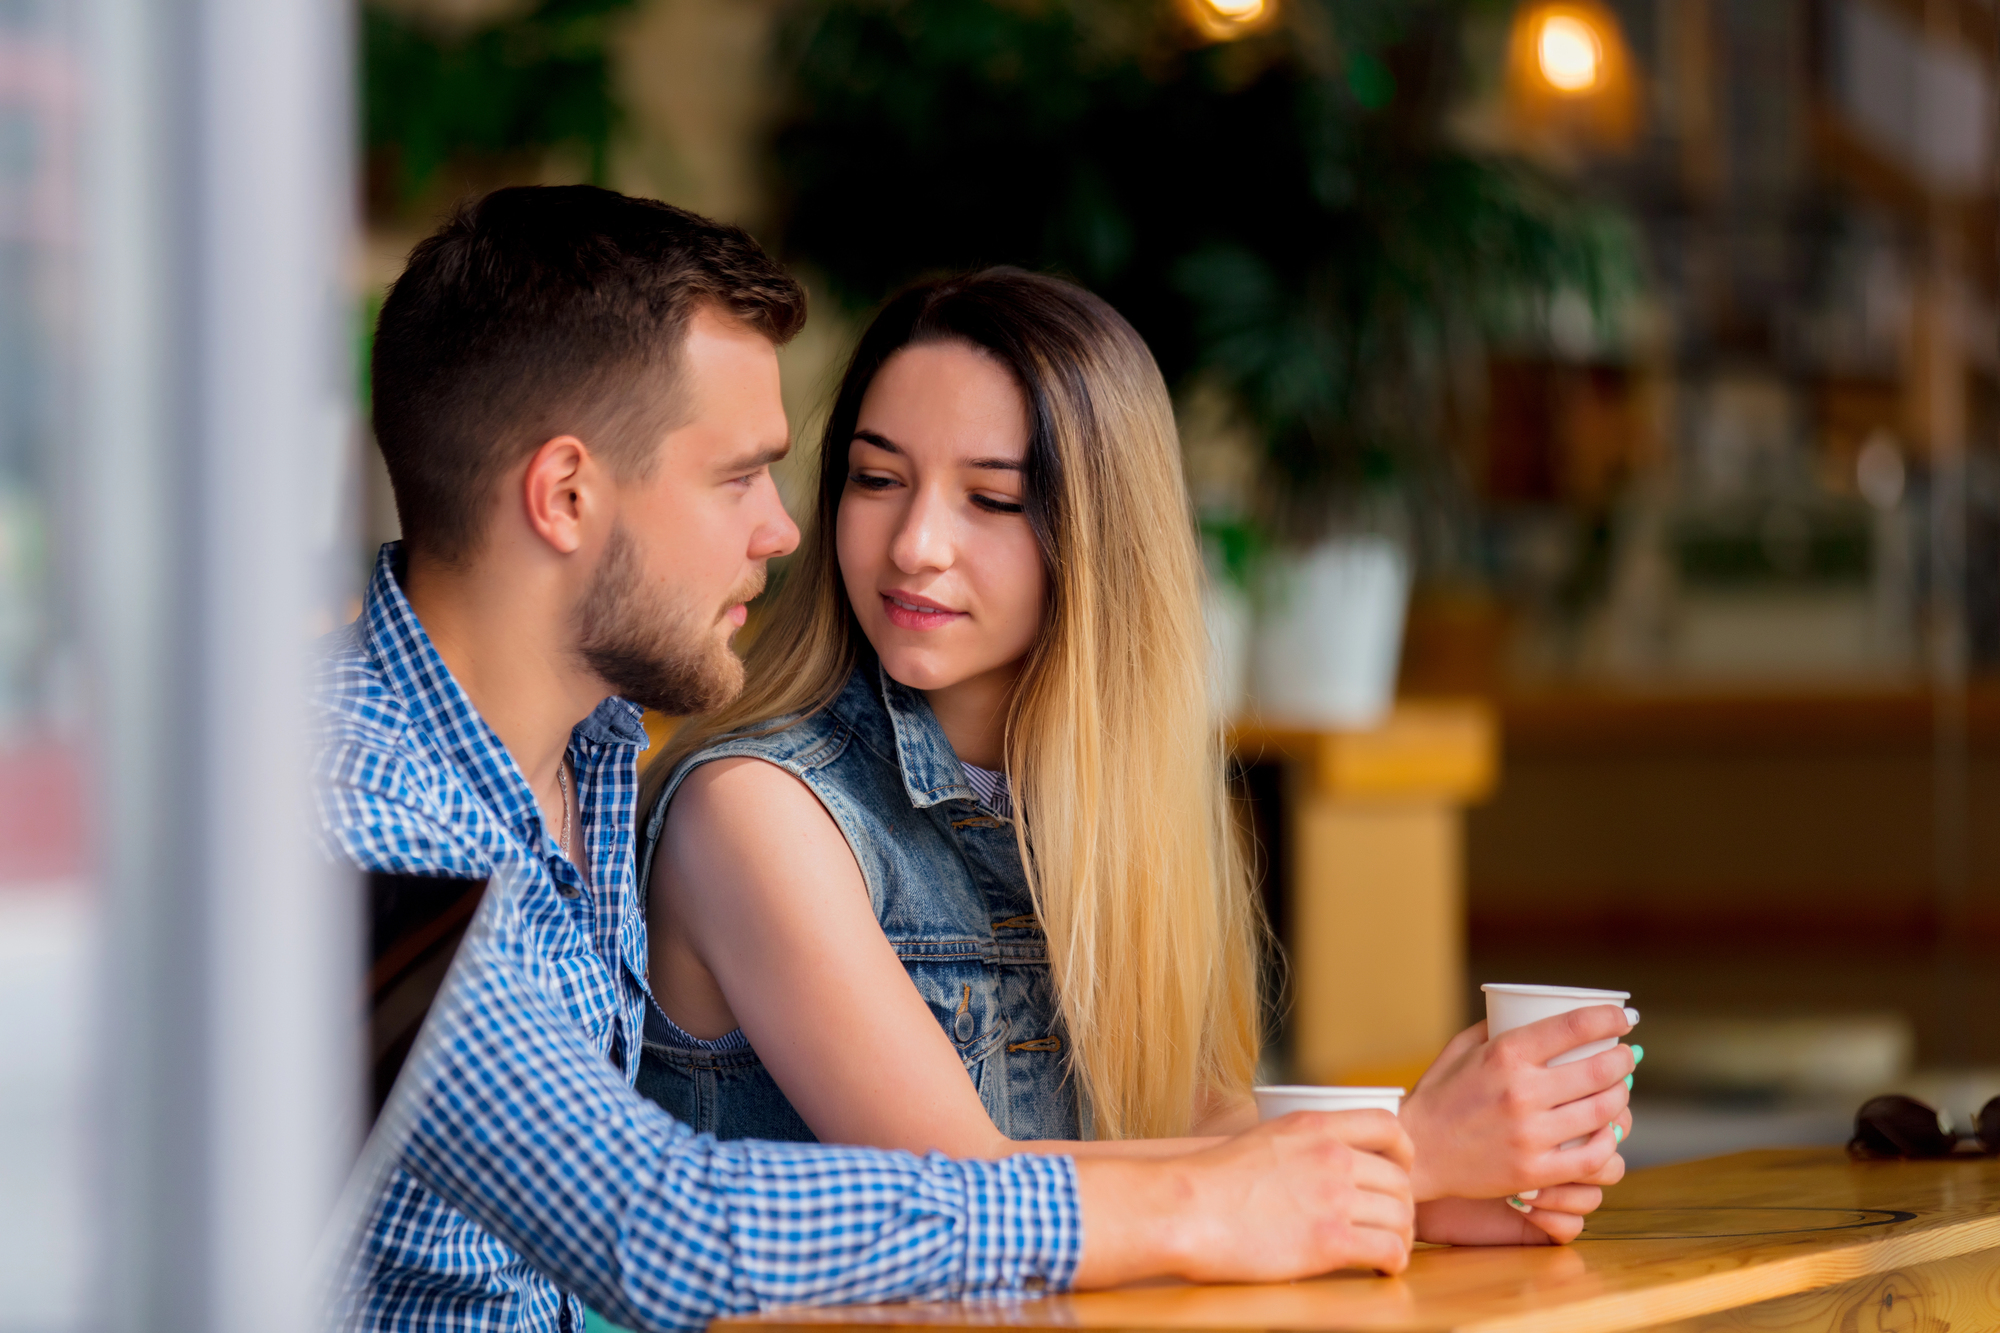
963 1027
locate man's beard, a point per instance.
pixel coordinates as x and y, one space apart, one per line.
650 649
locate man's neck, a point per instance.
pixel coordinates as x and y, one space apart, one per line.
509 648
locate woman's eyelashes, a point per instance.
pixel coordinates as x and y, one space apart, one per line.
992 504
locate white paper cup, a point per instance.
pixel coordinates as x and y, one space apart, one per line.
1510 1006
1276 1100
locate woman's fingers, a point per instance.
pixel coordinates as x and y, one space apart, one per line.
1582 1078
1576 1200
1545 1039
1590 1115
1558 1228
1588 1161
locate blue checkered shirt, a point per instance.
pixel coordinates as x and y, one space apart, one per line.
533 1174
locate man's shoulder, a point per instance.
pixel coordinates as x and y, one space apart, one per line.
353 699
387 802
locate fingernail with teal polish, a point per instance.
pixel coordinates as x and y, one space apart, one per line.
1618 1133
1638 1053
1628 1082
1519 1207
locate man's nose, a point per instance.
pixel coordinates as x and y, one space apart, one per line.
923 539
776 534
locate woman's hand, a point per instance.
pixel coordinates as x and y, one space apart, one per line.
1490 1119
1554 1216
1303 1194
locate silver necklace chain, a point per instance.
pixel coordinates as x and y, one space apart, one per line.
562 782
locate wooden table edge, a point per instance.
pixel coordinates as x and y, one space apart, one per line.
1709 1293
1631 1309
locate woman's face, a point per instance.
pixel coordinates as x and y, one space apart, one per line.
935 548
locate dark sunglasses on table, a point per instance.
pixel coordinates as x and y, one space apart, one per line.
1898 1126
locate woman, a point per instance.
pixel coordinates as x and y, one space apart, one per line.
957 870
991 642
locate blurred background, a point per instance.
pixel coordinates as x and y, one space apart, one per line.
1592 410
1628 368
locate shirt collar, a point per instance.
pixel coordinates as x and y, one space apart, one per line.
394 636
932 774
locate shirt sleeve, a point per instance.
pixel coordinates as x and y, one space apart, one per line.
516 1122
374 815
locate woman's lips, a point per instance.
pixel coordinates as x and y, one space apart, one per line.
916 615
737 614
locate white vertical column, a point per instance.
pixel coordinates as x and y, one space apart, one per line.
218 392
275 196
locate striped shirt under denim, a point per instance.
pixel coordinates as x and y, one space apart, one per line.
535 1175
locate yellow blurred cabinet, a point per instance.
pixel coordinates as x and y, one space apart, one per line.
1375 878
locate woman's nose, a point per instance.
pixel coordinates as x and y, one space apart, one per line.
923 539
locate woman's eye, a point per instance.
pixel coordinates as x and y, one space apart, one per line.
994 505
870 482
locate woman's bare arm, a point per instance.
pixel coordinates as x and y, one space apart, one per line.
760 919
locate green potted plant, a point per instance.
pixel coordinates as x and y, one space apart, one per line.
1285 217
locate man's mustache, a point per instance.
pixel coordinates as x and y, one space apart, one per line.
750 591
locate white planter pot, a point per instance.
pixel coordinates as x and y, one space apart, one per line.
1225 608
1332 635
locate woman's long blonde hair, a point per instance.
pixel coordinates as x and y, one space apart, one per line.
1112 748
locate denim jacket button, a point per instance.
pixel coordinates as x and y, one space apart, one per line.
963 1027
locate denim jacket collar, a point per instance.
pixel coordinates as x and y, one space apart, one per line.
932 774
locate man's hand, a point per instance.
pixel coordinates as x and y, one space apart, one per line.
1489 1118
1304 1194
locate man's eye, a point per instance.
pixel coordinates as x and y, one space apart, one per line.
868 482
994 505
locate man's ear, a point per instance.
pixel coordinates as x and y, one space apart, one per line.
557 489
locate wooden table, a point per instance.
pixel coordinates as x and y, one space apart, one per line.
1793 1239
1375 875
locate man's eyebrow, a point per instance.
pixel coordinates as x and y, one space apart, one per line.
762 458
887 445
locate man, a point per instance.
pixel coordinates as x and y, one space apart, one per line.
577 398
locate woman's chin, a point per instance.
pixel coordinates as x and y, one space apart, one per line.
916 672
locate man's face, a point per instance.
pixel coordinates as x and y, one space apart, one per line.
688 548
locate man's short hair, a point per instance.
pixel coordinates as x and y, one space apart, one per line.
540 311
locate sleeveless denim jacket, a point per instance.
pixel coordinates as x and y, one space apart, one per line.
945 879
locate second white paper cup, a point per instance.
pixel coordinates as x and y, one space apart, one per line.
1283 1099
1510 1006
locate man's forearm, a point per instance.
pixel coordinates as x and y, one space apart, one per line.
526 1130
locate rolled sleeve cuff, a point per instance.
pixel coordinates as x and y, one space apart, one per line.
1025 1225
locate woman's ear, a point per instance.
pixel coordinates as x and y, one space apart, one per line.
557 489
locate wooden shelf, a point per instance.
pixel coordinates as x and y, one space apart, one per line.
1431 749
1782 718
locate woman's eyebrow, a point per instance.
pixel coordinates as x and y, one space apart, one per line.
887 445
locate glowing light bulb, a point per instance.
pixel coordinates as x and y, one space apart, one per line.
1237 11
1569 53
